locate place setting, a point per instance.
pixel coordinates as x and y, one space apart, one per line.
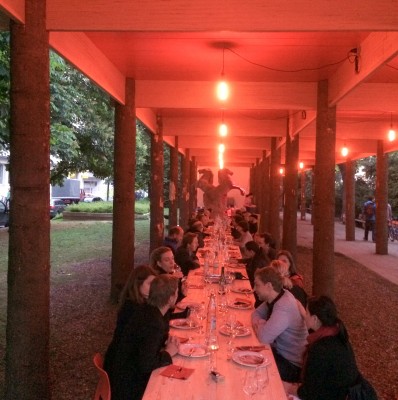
241 304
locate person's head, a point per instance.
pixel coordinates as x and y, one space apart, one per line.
370 198
283 269
246 216
176 232
242 226
190 242
321 311
197 226
138 283
286 257
253 218
267 283
264 240
164 291
162 258
204 219
252 248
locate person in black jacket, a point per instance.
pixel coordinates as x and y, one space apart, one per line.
186 254
144 344
329 367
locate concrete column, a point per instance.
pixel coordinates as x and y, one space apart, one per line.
28 295
350 200
156 189
324 200
381 199
184 204
289 237
124 195
173 185
275 192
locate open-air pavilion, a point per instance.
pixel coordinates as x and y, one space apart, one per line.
306 79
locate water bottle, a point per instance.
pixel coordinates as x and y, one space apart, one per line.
212 323
222 283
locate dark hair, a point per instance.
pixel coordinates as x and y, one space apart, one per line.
156 256
253 246
175 230
188 239
268 274
325 310
292 266
131 290
162 288
255 216
268 239
244 225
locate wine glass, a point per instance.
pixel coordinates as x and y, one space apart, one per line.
262 377
201 316
250 385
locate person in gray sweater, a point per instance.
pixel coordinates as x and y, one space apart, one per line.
278 322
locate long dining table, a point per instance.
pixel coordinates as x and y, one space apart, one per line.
201 385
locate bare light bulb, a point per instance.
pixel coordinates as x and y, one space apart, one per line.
220 161
221 148
301 165
344 151
281 171
223 130
222 91
391 135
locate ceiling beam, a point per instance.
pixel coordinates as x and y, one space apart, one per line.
15 9
80 51
246 95
244 143
377 49
201 16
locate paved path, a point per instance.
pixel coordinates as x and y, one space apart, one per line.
361 251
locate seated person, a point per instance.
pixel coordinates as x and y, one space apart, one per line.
243 229
278 321
267 243
197 228
248 203
174 239
186 254
297 291
144 344
329 362
295 277
253 225
255 259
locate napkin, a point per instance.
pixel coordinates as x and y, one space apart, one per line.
177 372
241 300
182 339
251 348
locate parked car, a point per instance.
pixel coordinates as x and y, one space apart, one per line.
3 214
92 199
56 207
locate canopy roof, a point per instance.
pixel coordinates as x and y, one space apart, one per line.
274 53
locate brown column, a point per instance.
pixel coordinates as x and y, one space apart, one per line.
381 199
192 185
257 180
28 330
324 202
173 185
312 194
302 195
251 180
289 237
184 201
265 182
275 192
124 199
350 200
156 189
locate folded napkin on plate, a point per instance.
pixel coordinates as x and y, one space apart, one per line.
177 372
182 339
251 348
193 286
241 300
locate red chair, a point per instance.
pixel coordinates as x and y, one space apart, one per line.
103 391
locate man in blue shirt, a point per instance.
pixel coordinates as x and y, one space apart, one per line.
369 211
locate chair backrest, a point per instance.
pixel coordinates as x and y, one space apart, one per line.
103 391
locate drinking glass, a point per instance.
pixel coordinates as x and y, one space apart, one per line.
262 377
200 312
250 383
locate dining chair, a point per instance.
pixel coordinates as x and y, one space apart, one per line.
103 391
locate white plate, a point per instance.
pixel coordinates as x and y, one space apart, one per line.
242 290
240 305
240 331
193 350
182 305
183 324
249 358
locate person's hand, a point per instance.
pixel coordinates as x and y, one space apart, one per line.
172 345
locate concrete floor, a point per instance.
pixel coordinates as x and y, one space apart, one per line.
361 251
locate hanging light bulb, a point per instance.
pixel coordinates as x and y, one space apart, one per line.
223 129
221 148
344 151
220 160
391 132
281 170
222 86
301 165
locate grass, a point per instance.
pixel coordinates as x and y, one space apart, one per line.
141 207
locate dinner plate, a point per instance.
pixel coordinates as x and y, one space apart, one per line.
193 350
241 304
242 290
182 305
183 324
249 358
240 331
236 265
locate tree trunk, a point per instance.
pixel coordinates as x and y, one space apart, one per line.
349 200
184 201
173 190
28 330
381 199
275 192
123 231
